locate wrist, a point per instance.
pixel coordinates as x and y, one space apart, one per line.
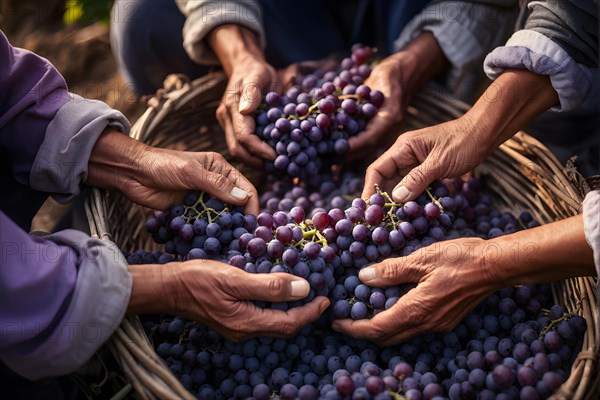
155 289
235 45
115 160
514 99
423 60
547 253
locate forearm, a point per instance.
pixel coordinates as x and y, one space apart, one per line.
547 253
152 291
115 158
233 43
508 105
421 61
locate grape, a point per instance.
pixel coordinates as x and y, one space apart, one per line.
503 376
493 352
359 310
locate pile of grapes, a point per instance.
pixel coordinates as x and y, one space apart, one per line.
515 344
310 125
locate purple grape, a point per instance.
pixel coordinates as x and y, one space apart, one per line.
359 311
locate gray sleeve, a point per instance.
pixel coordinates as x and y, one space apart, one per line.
576 84
89 317
572 24
61 164
466 32
591 224
558 39
202 16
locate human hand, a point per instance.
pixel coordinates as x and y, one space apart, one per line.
452 278
250 79
165 176
158 178
417 158
220 296
388 78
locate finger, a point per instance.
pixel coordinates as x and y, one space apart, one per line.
393 271
386 168
275 287
251 205
243 191
363 329
384 325
251 95
364 142
416 181
269 322
288 74
402 336
235 148
244 127
253 87
372 177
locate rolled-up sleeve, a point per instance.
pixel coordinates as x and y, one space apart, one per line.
465 31
61 163
559 39
591 224
46 133
202 16
61 297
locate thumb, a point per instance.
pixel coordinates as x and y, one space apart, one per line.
251 94
393 271
221 187
415 182
275 287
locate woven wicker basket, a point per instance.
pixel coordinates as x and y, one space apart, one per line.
522 174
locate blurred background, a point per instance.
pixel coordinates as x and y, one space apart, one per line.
74 36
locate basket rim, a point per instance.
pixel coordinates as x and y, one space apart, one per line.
562 182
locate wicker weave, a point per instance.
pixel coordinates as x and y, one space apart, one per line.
522 174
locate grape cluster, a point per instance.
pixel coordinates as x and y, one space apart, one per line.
499 351
200 228
515 344
310 125
368 232
331 192
205 228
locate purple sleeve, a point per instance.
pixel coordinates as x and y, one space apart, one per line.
46 133
32 92
61 297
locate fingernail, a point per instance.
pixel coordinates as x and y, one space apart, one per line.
238 193
243 105
335 326
300 289
367 274
401 193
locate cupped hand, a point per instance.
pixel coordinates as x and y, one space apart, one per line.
220 296
388 78
164 176
249 81
452 278
419 157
